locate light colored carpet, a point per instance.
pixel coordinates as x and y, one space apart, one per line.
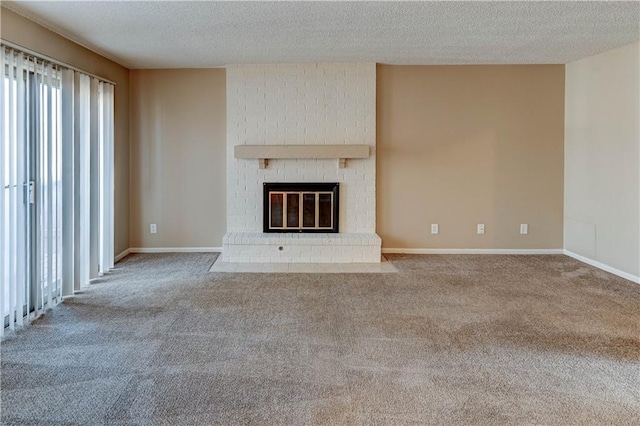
457 339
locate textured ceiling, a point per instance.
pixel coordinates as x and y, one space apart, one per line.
157 34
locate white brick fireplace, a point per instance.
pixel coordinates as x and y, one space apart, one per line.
301 104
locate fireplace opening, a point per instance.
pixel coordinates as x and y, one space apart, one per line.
300 207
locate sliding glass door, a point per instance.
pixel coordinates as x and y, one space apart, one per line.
56 175
15 226
30 261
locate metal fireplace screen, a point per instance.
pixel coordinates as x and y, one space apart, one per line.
301 207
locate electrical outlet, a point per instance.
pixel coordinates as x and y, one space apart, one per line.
434 228
480 228
524 228
153 228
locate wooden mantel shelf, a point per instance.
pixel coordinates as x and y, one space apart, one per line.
263 153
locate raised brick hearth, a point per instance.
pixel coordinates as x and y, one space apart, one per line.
301 248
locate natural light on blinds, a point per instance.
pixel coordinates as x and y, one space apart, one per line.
56 174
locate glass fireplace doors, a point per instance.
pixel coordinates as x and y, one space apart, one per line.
304 207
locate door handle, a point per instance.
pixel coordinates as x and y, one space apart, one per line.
31 192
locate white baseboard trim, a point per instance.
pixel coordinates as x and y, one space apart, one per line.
470 251
121 256
175 249
607 268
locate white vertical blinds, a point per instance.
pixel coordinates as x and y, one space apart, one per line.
83 190
21 217
68 172
56 177
106 177
94 179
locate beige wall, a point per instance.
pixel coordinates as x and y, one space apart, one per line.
28 34
462 145
602 150
178 152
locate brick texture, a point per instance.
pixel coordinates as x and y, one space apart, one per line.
301 104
